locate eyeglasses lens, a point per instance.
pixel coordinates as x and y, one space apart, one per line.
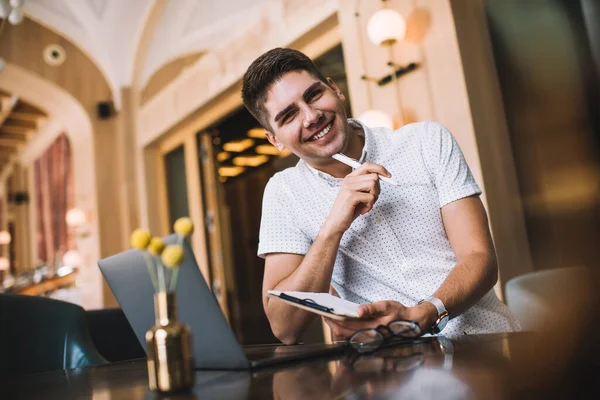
366 341
404 329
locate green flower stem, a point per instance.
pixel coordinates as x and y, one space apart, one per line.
173 283
161 277
175 271
167 278
151 269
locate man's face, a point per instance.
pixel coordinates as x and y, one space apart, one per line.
307 116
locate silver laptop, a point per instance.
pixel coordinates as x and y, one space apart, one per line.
215 345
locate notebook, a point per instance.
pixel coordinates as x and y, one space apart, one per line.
323 304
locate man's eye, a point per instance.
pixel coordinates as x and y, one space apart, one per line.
315 96
288 117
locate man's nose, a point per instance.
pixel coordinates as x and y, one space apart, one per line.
311 116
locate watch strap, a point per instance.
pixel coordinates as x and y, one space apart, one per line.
441 311
437 303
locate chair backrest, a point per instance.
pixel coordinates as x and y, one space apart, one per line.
112 335
537 299
40 334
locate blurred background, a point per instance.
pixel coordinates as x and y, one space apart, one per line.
123 114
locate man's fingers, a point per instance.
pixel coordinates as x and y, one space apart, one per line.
338 332
365 183
366 310
364 198
368 168
379 308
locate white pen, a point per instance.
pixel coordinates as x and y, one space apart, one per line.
355 164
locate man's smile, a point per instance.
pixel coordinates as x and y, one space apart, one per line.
321 133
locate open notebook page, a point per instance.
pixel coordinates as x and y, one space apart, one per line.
339 306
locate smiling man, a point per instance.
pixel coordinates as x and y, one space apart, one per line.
418 251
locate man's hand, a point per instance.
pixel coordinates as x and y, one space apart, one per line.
382 313
357 195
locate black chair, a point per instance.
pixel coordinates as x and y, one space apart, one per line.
39 334
113 336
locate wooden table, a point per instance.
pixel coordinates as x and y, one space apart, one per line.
50 285
511 366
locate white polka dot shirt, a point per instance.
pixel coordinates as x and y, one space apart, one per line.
399 250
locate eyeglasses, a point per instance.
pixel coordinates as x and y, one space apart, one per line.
369 340
370 364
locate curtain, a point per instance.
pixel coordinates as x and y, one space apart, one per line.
54 196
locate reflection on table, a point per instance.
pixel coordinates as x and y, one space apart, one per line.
504 366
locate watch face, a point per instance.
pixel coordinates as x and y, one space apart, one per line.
441 325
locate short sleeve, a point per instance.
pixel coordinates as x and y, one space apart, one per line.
447 165
279 232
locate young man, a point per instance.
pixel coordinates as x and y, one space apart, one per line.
413 251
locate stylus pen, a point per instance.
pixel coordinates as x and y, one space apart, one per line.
355 164
305 302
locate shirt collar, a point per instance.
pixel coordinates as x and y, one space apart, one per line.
366 152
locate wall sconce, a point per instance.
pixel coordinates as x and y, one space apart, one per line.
72 258
5 237
75 218
376 118
4 264
76 221
385 28
372 118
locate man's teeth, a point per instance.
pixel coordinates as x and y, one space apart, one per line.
322 133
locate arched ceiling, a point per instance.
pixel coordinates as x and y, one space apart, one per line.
107 31
192 26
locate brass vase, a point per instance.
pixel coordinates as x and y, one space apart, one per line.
170 358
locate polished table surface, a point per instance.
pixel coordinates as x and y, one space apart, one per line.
518 365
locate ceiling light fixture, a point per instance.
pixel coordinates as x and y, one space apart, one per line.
267 149
256 133
223 156
12 11
250 161
237 146
231 171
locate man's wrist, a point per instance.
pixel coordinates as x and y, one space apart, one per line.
330 233
425 315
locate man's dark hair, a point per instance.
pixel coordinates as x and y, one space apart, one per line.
266 70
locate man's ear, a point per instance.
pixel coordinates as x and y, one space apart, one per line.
336 89
273 140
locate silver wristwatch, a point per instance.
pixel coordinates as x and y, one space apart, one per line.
442 318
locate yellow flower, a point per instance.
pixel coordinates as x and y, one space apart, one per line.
172 255
139 239
184 226
156 246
